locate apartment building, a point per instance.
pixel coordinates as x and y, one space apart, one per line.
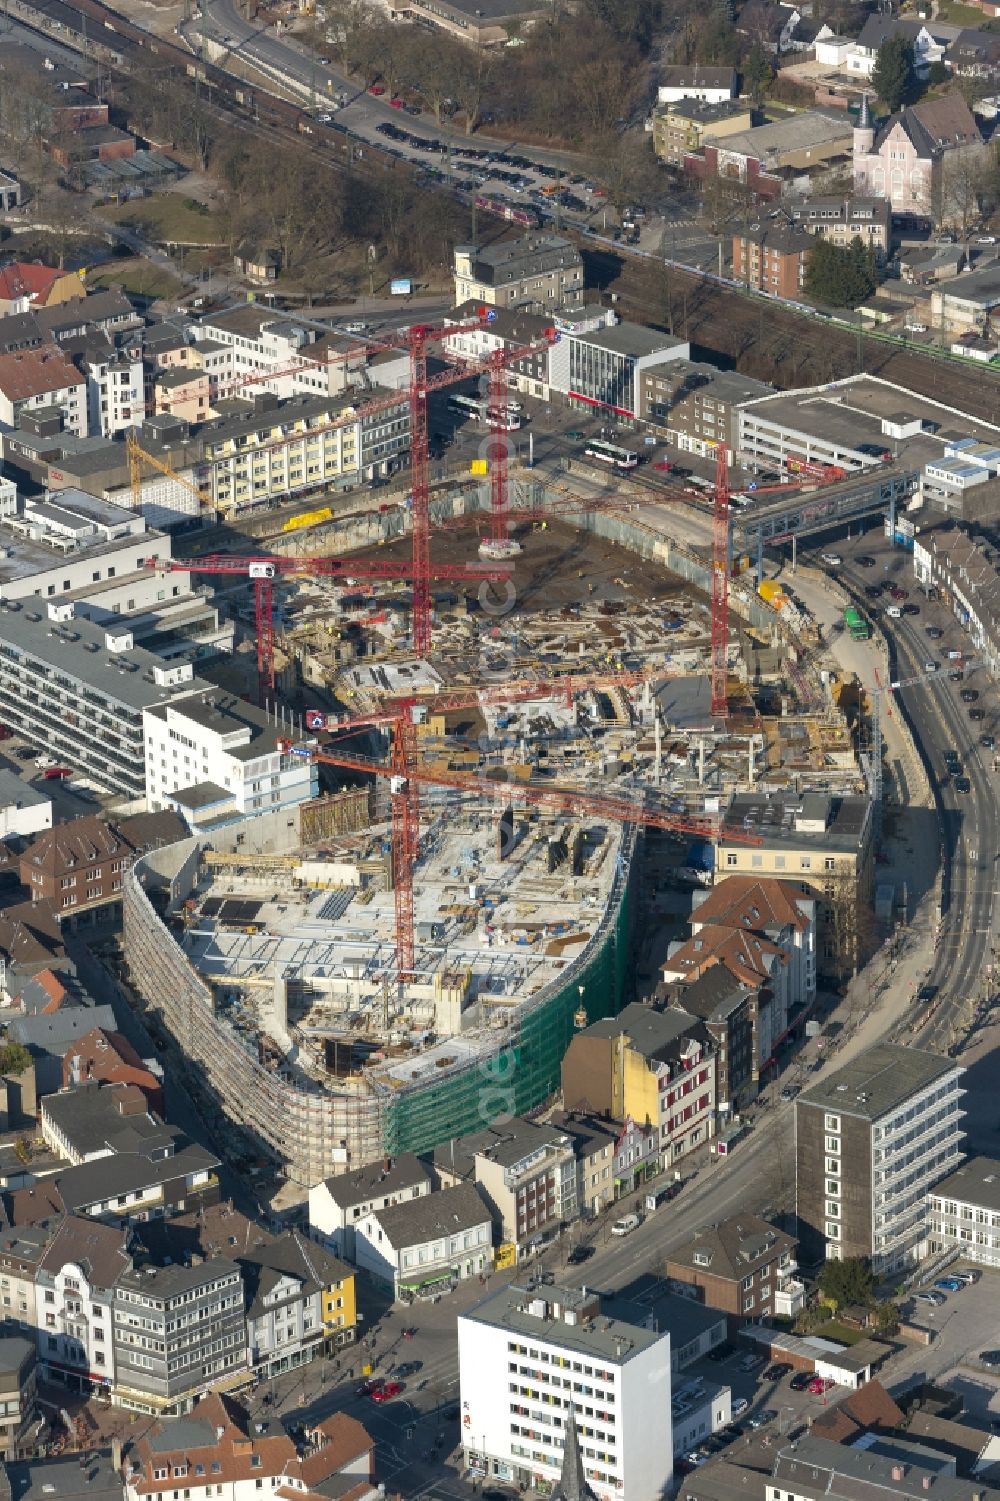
77 868
681 126
740 1265
656 1067
21 1250
870 1142
300 1302
537 1363
843 219
963 1213
109 1058
772 257
540 270
283 356
820 1467
213 757
819 840
594 1147
509 329
96 1120
695 406
115 389
18 1387
45 377
428 1244
217 1454
75 1292
141 1183
177 1331
764 932
695 81
526 1173
337 1205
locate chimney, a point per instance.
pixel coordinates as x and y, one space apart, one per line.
926 1482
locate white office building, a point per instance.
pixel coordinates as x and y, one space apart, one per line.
533 1359
214 759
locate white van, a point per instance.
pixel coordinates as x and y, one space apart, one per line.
625 1225
894 612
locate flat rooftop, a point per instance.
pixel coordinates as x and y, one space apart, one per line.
66 528
851 413
601 1337
975 1182
878 1082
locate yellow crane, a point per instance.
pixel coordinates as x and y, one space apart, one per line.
138 456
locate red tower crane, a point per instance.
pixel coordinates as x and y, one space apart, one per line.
263 571
406 778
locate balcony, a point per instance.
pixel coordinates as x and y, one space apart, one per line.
790 1298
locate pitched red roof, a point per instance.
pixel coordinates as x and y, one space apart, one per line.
28 279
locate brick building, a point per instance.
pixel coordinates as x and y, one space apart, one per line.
772 258
739 1265
78 867
695 406
109 1058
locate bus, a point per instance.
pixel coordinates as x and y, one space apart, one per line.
468 406
856 624
610 453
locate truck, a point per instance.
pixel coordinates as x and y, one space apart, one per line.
856 624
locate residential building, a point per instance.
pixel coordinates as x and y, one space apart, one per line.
80 690
177 1331
815 1467
250 349
542 270
258 264
974 54
963 1213
21 1250
960 565
141 1184
637 1156
429 1243
821 841
337 1205
602 368
75 1290
541 1372
49 1035
299 1302
212 755
29 284
78 867
594 1146
93 1120
844 219
526 1174
761 930
655 1067
695 81
509 329
18 1385
109 1058
32 379
183 393
727 1001
773 25
908 158
739 1266
24 810
772 257
696 406
694 1328
66 1478
114 389
878 27
870 1141
680 128
220 1454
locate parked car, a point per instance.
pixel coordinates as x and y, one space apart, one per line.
832 558
752 1362
977 714
371 1385
800 1381
722 1352
664 466
408 1368
762 1418
789 1091
864 561
987 742
969 1277
990 1358
934 631
969 695
57 773
777 1371
934 1300
962 784
898 592
820 1384
579 1255
377 89
625 1225
739 1406
911 609
949 1284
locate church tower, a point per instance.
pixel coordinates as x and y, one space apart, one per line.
864 144
572 1484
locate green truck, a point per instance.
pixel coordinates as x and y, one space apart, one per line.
856 624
